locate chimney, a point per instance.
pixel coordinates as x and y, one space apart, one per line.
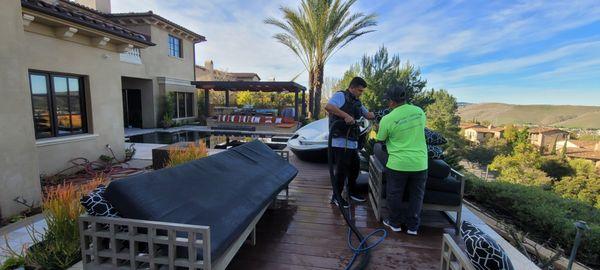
99 5
490 127
597 148
209 65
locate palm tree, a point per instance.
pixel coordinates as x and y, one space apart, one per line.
316 31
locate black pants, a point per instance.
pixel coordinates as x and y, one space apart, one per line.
397 182
347 166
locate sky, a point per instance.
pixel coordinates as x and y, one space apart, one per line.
518 52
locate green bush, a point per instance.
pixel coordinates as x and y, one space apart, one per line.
541 213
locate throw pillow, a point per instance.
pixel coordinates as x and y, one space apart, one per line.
483 251
435 152
434 138
96 205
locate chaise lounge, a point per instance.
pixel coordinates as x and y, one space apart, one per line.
193 216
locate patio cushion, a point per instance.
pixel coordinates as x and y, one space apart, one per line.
482 250
224 191
434 138
447 184
438 168
435 152
96 205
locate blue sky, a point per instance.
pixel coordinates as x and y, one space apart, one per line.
520 52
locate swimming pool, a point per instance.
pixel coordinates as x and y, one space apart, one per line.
213 140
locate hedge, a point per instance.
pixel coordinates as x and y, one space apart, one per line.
541 213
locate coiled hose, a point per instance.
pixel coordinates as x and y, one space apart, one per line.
363 247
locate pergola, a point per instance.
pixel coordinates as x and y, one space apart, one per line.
253 86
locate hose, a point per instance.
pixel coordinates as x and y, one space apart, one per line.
362 247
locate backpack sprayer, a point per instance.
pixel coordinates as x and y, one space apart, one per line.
363 247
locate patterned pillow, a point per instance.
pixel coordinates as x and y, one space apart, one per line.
484 252
434 138
435 152
96 205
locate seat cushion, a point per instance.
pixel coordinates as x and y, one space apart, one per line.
442 198
224 191
483 251
438 168
448 184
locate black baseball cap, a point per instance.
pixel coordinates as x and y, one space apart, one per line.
396 94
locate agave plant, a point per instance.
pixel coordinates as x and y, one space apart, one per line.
315 32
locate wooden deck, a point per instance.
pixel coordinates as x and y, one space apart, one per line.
306 232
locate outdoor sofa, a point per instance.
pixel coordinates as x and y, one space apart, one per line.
193 216
443 192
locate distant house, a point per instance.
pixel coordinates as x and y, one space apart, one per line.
584 150
547 137
73 76
480 134
209 73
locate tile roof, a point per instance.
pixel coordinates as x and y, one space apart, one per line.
84 16
151 14
545 130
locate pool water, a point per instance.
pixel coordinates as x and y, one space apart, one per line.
213 141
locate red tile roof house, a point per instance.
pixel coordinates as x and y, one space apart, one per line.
76 75
547 137
479 134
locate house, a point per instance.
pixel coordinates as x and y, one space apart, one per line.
209 73
547 137
584 150
479 134
73 75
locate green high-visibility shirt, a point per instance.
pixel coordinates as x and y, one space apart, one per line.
403 131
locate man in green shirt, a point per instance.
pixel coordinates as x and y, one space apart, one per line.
403 131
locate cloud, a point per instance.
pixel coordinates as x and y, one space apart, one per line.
452 41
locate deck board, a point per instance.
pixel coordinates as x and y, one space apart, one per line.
306 232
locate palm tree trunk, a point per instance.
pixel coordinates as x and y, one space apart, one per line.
311 92
318 86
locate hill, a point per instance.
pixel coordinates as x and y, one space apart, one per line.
547 115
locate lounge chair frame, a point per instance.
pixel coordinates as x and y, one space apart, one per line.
453 258
379 204
120 243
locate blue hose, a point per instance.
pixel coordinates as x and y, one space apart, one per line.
361 246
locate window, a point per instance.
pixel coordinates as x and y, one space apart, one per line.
175 47
58 105
184 105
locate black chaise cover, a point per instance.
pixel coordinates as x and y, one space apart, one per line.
224 191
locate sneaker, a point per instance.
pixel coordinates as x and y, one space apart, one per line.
358 198
388 223
344 203
411 232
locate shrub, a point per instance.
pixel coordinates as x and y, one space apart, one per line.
59 247
541 213
180 155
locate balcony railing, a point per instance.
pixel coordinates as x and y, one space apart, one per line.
132 56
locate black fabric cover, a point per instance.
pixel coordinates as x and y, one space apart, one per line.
224 191
438 168
448 184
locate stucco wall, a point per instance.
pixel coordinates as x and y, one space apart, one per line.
18 158
160 64
102 75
